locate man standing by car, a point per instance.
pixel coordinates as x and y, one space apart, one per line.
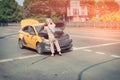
50 29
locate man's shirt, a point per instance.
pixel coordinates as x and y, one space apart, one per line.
50 29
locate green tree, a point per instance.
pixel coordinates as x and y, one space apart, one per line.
9 11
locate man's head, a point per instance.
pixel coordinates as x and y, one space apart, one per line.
49 20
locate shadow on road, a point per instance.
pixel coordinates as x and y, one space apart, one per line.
2 37
40 59
92 66
47 55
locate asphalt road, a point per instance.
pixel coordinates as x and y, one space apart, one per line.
95 56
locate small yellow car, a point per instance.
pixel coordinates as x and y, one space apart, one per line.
32 35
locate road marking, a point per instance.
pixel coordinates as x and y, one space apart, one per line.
88 50
74 48
100 53
115 56
94 46
94 37
19 58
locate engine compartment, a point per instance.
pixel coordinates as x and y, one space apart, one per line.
58 33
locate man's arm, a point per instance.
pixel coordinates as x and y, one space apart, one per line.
42 27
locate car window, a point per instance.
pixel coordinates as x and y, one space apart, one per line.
39 28
25 29
31 30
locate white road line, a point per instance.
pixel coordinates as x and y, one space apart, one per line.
88 50
19 58
94 46
74 48
100 53
94 37
115 56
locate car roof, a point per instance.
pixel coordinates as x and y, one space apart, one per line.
32 22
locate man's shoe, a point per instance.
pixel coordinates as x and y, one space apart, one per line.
60 54
52 55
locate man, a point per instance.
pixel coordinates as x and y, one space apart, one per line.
49 27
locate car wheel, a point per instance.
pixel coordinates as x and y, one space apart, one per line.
21 44
38 48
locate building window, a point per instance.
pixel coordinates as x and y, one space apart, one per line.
75 12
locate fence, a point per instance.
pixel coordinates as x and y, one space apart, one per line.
95 24
9 24
82 24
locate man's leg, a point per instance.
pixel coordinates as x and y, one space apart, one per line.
52 48
58 47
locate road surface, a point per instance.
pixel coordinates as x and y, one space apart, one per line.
95 56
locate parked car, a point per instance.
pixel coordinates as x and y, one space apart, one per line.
32 35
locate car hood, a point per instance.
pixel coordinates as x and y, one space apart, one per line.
60 25
58 33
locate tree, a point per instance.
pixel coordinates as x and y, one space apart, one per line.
20 13
36 9
112 5
9 11
53 8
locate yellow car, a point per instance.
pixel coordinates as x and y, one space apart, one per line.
32 35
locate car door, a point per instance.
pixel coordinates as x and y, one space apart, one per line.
32 37
26 36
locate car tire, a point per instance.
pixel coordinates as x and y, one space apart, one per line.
38 48
21 44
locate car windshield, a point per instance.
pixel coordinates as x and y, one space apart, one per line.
38 28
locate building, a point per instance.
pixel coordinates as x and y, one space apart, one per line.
77 12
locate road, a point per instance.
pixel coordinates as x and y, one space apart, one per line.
95 56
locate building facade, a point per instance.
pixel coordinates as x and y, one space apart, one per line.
77 12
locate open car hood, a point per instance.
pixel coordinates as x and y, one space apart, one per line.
26 22
60 25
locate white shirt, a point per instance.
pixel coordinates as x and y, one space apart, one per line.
50 29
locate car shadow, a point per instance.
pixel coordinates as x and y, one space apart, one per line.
92 66
5 36
66 51
48 53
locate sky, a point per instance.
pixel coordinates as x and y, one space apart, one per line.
20 2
